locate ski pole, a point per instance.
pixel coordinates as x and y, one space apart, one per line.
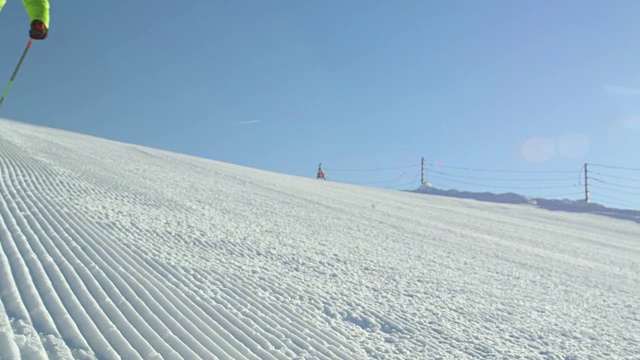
15 72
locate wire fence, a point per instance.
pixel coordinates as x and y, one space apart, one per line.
402 177
613 186
535 183
616 185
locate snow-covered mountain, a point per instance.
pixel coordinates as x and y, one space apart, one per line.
550 204
110 250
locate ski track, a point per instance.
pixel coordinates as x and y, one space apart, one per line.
113 251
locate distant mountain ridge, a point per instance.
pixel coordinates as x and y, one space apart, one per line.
567 205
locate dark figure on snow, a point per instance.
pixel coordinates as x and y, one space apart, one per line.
320 175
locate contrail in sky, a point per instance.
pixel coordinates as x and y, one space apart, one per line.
247 122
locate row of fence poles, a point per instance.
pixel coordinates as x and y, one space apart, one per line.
606 180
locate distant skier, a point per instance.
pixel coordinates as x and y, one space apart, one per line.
39 16
320 175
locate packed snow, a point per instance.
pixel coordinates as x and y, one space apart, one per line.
111 250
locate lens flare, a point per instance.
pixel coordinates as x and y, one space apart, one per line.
537 149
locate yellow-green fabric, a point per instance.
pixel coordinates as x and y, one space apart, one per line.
37 9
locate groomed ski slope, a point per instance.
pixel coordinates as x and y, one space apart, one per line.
111 250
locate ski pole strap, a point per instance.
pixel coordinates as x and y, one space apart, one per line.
15 72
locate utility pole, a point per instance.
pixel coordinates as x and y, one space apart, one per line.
586 183
424 182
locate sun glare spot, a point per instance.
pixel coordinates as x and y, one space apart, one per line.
537 149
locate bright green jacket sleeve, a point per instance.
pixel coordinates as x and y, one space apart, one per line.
37 9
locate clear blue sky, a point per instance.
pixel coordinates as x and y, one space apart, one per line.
283 85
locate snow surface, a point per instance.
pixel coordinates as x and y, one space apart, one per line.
113 250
